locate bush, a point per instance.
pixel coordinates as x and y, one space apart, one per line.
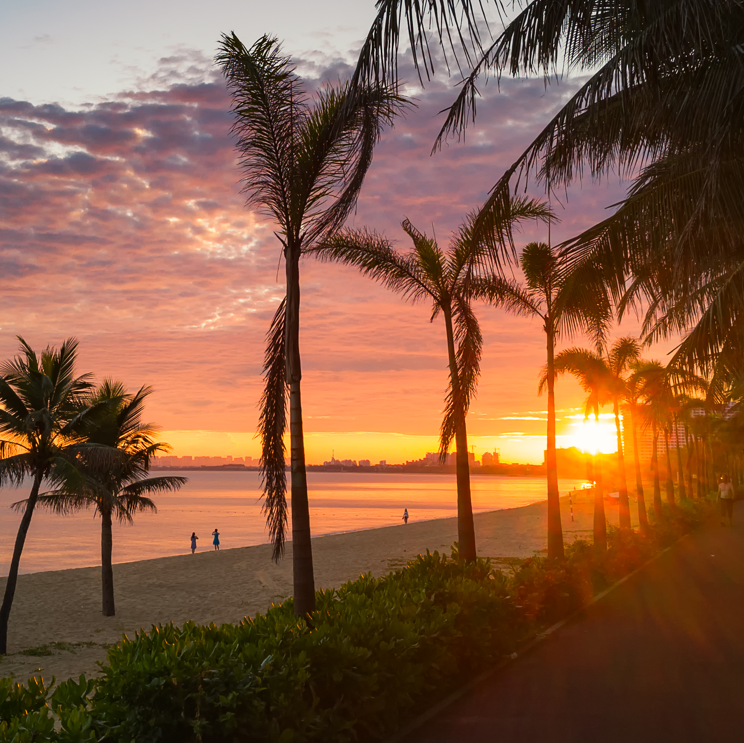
375 651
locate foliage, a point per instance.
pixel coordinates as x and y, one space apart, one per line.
373 652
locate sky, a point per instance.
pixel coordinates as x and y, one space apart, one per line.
122 224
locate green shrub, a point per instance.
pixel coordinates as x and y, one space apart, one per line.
374 652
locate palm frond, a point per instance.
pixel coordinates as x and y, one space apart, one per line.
374 255
461 390
337 142
453 23
272 424
268 105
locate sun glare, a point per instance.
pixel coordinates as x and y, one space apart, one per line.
593 437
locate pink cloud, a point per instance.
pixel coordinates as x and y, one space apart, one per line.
122 223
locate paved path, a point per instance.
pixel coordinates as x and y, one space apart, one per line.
659 659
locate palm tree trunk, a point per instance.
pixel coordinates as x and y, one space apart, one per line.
107 570
15 562
700 465
555 528
600 521
624 503
642 515
465 523
302 549
655 471
680 467
669 480
689 443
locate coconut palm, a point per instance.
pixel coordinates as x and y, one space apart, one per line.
565 304
303 165
664 91
41 402
620 358
444 278
632 397
662 387
595 378
119 488
658 394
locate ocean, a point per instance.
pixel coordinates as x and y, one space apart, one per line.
230 501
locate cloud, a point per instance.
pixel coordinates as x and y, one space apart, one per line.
122 223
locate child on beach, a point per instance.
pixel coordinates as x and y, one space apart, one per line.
193 542
216 540
405 515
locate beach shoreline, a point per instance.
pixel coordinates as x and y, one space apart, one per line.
57 616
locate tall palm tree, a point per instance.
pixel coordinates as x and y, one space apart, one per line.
595 378
444 278
118 488
623 354
633 392
662 387
565 303
304 166
41 402
663 91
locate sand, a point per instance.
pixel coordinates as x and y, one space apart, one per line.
59 612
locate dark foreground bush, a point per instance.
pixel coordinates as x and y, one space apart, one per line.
375 652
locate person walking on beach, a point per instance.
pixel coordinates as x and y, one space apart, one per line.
405 515
216 540
726 499
193 542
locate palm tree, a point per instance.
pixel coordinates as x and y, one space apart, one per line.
565 303
595 378
633 392
623 354
41 402
658 394
662 387
444 279
663 90
304 166
117 489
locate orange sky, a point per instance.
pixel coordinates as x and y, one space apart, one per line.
121 223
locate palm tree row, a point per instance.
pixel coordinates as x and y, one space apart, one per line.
664 91
88 445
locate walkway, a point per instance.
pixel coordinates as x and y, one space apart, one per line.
659 659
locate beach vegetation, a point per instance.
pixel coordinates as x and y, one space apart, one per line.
303 165
566 303
444 278
42 403
116 487
374 652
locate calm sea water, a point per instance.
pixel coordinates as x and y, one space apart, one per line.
230 501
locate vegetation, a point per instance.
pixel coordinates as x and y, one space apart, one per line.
373 652
89 444
445 279
41 403
566 303
116 489
304 166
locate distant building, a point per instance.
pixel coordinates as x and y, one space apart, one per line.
365 463
490 458
383 463
333 462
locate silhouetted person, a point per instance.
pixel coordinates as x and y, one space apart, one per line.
193 542
216 540
726 499
405 515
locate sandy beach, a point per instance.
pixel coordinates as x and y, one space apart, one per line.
59 612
